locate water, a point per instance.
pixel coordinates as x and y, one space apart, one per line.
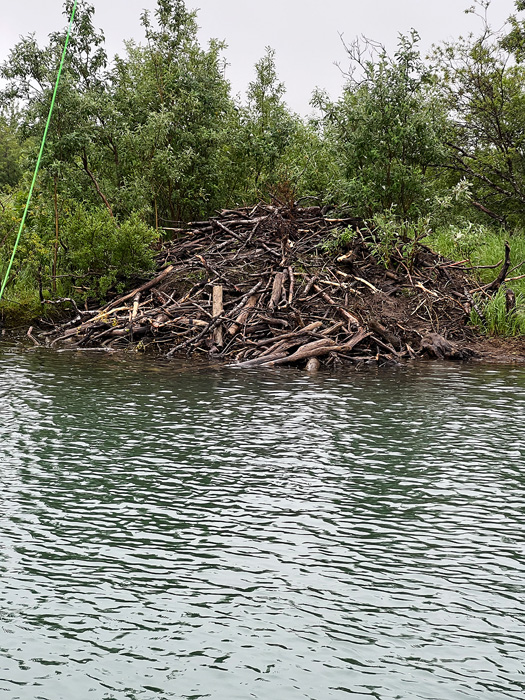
177 533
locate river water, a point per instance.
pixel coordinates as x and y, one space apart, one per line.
175 532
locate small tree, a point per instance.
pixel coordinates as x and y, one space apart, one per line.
483 87
74 143
260 134
10 170
386 129
173 105
269 124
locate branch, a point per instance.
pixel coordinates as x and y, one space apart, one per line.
467 169
490 213
496 284
97 187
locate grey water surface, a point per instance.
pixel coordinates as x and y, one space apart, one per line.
187 533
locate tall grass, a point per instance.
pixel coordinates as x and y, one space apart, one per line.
497 320
485 246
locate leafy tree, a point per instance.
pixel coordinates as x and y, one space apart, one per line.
268 127
386 129
30 73
10 152
173 103
514 39
483 86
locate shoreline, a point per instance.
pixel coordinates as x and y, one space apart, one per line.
271 286
497 352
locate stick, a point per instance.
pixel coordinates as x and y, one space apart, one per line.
496 284
30 335
218 308
258 361
292 284
136 302
346 314
142 288
210 326
243 316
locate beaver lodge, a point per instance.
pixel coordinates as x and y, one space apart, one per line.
275 285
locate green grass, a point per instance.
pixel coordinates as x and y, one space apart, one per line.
480 246
497 320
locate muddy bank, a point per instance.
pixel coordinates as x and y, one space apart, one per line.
274 286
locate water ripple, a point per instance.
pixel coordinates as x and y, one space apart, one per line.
167 532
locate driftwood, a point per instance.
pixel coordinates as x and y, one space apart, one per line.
276 290
243 316
32 337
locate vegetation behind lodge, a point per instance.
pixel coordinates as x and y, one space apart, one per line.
423 151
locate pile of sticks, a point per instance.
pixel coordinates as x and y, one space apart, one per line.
272 285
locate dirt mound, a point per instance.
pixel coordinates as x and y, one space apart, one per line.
276 285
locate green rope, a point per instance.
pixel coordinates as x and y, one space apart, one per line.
37 167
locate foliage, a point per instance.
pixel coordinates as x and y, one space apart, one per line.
391 235
10 154
97 251
172 104
483 248
480 245
483 88
309 162
339 240
266 129
386 128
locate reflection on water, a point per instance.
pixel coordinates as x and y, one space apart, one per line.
172 533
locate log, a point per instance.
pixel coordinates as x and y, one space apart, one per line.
243 316
258 361
276 291
218 308
316 348
321 347
136 302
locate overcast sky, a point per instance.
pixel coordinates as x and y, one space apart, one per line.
305 33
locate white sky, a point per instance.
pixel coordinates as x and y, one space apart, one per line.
304 33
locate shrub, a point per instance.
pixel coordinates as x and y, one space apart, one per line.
102 252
